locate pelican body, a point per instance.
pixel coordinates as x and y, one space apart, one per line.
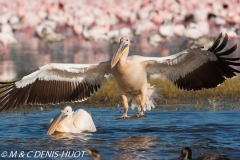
72 121
123 73
191 69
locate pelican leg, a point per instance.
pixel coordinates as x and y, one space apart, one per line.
125 104
141 113
143 100
142 103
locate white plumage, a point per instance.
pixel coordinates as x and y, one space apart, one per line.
72 121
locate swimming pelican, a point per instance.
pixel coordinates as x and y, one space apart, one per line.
186 154
191 69
71 121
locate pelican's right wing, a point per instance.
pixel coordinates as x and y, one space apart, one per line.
54 83
195 68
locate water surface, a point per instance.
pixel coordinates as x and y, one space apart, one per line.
160 135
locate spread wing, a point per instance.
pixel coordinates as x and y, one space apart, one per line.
194 68
54 83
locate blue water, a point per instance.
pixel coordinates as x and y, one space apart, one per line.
160 135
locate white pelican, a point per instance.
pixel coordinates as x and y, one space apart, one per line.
155 40
6 39
47 34
191 69
192 31
166 29
186 154
6 35
72 121
115 35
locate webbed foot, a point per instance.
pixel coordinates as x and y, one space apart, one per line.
138 116
124 116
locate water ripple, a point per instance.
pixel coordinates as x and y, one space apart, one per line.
160 135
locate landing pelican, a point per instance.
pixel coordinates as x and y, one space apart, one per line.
191 69
72 121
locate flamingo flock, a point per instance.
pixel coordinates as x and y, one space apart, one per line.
109 20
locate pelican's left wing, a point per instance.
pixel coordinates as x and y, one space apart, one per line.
54 83
194 68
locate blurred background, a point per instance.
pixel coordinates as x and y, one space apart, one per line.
37 32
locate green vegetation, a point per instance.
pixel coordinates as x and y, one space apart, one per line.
228 91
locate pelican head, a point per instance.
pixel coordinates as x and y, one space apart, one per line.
65 114
67 111
122 51
186 153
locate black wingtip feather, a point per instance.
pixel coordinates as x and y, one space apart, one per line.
230 59
222 45
227 52
231 63
216 43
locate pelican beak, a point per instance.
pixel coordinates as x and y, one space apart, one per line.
120 51
55 122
